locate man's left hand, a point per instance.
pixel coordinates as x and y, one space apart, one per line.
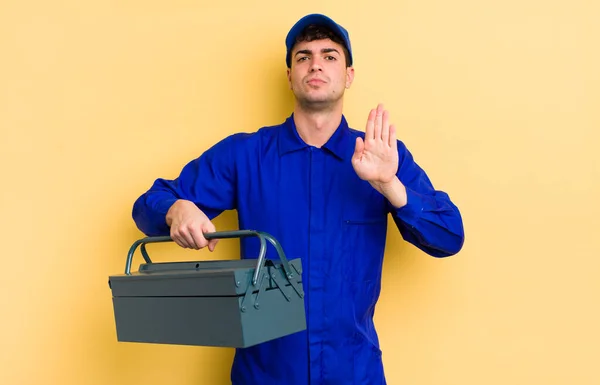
375 158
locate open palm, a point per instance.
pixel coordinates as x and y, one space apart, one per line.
376 158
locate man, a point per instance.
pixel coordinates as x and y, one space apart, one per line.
325 192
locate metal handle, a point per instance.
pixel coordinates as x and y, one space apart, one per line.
220 235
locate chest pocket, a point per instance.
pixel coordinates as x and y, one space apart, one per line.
362 221
363 244
364 230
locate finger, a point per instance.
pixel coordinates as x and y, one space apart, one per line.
378 122
359 148
198 238
212 243
393 143
188 239
385 130
179 239
369 131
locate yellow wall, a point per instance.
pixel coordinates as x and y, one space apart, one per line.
498 101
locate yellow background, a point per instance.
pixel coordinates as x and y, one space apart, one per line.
498 101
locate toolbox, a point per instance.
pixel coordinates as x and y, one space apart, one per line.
231 303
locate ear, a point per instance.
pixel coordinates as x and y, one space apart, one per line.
349 76
289 78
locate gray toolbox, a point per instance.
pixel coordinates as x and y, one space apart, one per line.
233 303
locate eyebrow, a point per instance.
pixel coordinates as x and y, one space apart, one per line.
309 52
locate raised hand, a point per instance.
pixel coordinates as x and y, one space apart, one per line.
376 158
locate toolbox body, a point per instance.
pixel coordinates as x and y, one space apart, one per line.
233 303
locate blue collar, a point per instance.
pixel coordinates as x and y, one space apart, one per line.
341 144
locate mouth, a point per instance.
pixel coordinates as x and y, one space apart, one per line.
315 81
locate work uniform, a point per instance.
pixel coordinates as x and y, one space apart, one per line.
311 200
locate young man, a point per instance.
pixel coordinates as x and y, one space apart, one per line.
324 191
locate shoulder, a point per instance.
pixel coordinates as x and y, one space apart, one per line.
265 133
240 143
356 133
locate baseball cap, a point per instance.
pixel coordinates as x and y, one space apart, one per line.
317 19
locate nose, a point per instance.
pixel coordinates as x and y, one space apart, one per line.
316 64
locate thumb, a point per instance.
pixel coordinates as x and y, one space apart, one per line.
359 148
212 244
210 228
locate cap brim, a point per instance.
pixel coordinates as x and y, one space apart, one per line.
317 19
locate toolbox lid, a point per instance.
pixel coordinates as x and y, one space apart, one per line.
198 278
208 278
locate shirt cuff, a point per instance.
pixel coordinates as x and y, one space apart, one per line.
163 206
413 209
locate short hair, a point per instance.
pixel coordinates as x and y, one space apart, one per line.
320 32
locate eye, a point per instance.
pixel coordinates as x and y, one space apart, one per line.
302 58
330 58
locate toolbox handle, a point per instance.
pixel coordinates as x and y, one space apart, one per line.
263 236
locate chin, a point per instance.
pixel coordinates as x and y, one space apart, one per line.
316 104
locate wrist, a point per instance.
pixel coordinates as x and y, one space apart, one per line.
394 191
172 211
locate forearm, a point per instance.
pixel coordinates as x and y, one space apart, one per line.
149 212
431 222
207 181
394 191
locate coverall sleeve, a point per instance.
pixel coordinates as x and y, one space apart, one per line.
429 220
208 181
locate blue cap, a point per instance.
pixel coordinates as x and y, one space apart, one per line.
317 19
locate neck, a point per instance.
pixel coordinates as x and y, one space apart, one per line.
315 127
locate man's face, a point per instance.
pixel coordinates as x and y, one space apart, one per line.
318 75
